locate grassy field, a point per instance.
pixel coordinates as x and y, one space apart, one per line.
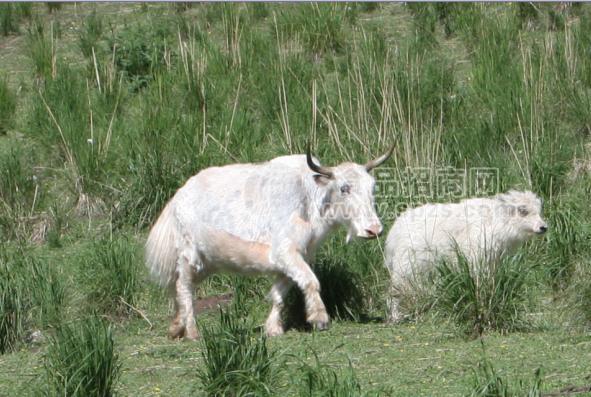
106 109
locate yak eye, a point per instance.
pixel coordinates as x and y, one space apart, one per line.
346 189
522 210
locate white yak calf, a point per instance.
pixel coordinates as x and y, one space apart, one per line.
481 229
259 218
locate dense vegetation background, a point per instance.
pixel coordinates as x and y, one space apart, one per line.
106 109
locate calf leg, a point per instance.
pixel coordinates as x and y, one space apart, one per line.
394 316
397 287
274 324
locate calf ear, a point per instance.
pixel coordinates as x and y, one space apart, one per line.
321 180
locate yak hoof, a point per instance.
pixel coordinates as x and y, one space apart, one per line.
176 333
319 320
274 330
321 325
192 334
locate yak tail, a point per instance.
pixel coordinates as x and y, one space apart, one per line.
161 247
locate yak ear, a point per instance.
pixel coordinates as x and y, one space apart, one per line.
321 180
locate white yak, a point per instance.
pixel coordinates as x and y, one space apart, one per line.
259 218
481 229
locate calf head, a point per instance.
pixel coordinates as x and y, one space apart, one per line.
525 210
347 195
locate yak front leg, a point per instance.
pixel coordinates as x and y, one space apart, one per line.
299 271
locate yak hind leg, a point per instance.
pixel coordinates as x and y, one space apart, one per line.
188 273
274 324
177 326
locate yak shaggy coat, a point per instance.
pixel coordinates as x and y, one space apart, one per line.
481 229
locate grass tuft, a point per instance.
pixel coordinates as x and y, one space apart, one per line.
11 15
564 242
488 383
31 294
321 380
480 296
141 50
18 193
318 25
42 49
237 361
81 360
14 306
91 34
7 106
111 272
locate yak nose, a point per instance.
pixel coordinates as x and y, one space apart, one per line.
543 229
374 230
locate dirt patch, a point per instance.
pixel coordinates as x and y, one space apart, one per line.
212 302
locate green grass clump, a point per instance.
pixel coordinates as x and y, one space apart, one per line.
70 115
17 184
91 34
7 106
582 35
237 361
564 243
156 173
141 50
111 272
14 305
321 380
19 193
318 25
11 15
42 49
482 296
488 383
81 360
31 295
8 19
583 290
47 291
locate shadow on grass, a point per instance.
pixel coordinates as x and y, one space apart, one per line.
341 292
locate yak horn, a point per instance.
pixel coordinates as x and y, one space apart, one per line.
326 171
376 162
